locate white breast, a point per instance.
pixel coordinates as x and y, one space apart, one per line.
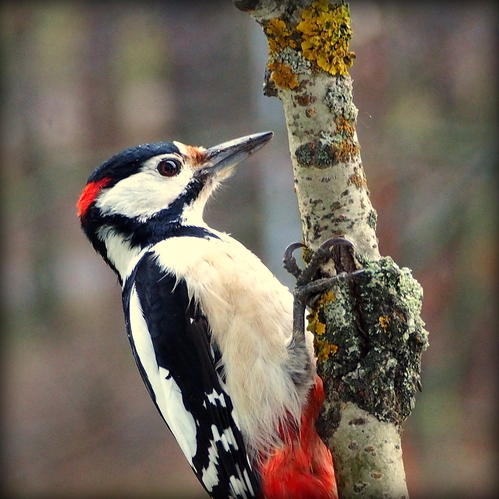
250 314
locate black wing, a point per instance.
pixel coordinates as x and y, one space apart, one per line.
180 366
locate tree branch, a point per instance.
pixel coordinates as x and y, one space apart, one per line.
368 333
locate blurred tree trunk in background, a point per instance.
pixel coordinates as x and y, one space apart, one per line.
217 105
30 221
98 88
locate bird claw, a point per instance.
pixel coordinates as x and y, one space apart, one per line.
319 257
306 287
289 260
307 290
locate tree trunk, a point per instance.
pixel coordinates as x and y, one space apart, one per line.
368 333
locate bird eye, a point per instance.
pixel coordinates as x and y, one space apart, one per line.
168 167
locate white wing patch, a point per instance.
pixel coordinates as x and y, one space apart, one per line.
240 488
210 474
226 438
166 390
214 396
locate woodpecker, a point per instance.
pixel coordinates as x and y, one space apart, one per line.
210 327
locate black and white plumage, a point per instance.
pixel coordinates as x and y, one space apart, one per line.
209 325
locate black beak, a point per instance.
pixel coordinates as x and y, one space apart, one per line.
223 157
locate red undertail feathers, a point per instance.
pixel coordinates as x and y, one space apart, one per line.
303 467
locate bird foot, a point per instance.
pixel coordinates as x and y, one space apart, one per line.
307 288
319 257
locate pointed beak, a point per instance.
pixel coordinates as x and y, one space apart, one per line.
223 157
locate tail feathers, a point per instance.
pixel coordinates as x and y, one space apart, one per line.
303 467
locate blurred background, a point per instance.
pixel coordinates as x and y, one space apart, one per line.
84 80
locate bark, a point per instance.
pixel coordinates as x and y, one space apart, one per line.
369 335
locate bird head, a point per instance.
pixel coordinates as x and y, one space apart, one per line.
135 197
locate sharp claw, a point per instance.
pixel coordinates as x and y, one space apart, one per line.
336 241
320 256
289 260
288 252
323 252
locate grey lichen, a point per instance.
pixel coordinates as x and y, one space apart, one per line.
372 219
297 63
339 98
374 323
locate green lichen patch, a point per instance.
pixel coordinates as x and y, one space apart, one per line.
330 149
375 323
316 153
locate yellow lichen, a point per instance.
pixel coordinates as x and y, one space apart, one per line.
345 127
348 147
358 180
314 323
278 35
307 254
324 349
345 151
329 296
383 322
282 75
320 328
326 34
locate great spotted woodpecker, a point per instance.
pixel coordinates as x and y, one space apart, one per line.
209 325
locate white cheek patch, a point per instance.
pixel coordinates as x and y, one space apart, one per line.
144 193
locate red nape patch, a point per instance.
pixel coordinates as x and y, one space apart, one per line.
303 467
89 194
